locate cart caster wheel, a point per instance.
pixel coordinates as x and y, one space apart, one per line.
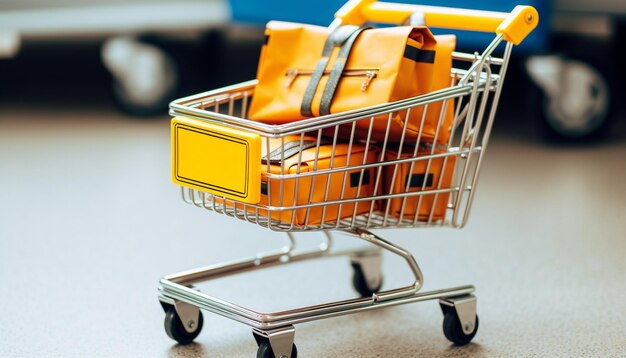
175 329
265 350
454 332
360 282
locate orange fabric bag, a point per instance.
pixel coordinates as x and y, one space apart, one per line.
313 189
438 177
383 65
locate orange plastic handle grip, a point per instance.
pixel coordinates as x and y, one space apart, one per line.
514 26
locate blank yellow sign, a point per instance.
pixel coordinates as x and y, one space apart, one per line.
216 159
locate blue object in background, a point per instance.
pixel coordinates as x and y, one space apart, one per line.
321 12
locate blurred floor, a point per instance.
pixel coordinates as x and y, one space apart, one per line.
90 221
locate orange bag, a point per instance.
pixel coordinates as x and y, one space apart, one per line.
302 191
438 177
383 65
442 69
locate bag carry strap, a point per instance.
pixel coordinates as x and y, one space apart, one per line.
336 38
337 71
289 149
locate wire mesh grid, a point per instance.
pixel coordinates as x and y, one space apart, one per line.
342 171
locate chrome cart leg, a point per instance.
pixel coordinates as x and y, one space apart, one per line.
460 322
276 342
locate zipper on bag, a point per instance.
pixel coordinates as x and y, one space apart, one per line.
367 74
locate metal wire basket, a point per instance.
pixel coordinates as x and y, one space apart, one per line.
473 93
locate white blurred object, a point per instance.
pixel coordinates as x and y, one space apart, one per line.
144 75
9 44
577 97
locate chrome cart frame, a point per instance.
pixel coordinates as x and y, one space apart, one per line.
176 290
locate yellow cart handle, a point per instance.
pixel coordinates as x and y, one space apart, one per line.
514 26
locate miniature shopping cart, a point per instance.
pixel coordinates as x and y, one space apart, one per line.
225 164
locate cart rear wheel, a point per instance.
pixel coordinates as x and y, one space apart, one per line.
453 330
265 350
359 281
175 329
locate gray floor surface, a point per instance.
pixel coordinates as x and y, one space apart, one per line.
90 221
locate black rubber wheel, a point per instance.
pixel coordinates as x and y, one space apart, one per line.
454 332
585 98
175 329
360 283
133 101
596 117
265 350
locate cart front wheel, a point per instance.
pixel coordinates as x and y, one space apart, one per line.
175 329
265 350
453 330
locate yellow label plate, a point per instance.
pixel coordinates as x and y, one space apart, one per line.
216 159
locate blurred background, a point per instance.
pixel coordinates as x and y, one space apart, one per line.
90 219
139 55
